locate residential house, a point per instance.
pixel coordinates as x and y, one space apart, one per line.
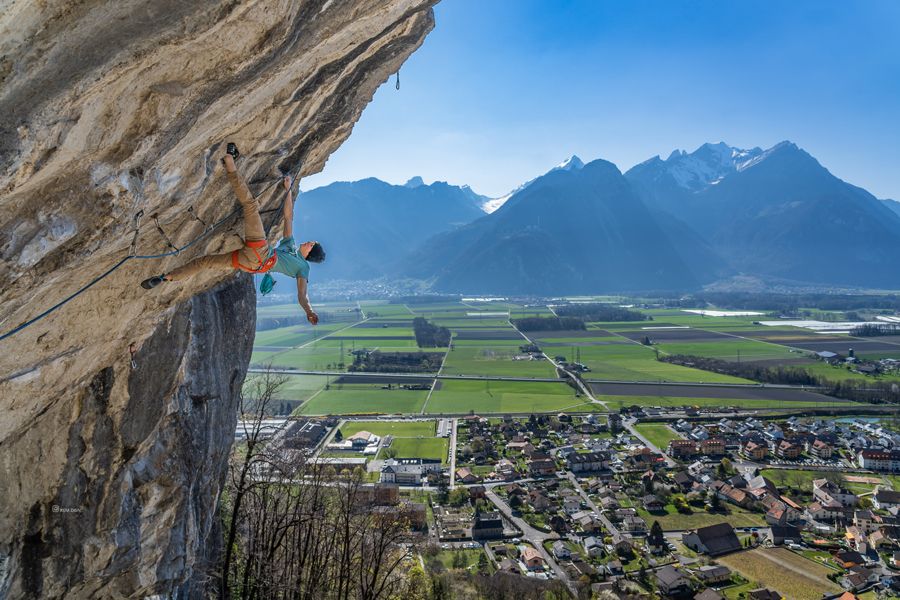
538 501
477 492
828 492
465 475
709 594
653 504
781 534
682 448
593 546
788 450
634 524
508 565
561 551
712 574
847 559
622 543
859 577
712 540
672 581
532 558
487 526
886 499
408 471
754 451
820 450
714 446
880 460
579 462
541 467
763 594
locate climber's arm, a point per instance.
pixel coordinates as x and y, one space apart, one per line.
288 211
311 315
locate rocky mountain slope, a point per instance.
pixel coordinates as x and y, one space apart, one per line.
110 474
376 223
779 214
573 230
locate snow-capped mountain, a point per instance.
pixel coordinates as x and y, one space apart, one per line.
573 163
707 165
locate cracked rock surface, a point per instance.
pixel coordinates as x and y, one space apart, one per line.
109 476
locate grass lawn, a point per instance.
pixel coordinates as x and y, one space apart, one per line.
675 521
437 448
784 571
400 429
364 399
459 396
471 556
657 433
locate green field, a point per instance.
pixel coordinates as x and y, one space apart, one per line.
364 399
400 429
658 434
494 360
633 362
616 402
456 396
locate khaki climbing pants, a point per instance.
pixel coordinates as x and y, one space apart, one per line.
252 257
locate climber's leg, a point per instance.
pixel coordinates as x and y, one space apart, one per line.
253 227
213 262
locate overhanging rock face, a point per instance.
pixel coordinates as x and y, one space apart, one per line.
109 475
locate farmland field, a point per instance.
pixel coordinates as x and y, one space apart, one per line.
616 401
456 396
364 399
494 360
784 571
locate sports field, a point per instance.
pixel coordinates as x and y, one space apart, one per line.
407 429
436 448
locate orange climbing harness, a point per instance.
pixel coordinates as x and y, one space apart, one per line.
264 263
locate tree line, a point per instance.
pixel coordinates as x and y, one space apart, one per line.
549 324
869 391
786 303
601 312
876 329
429 335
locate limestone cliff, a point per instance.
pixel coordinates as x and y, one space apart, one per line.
109 474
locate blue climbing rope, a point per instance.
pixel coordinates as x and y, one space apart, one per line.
131 255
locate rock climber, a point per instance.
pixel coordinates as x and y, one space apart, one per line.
257 256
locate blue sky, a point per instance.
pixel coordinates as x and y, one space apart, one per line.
502 90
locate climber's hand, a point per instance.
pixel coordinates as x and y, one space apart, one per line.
312 317
287 183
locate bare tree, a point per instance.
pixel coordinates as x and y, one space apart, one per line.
299 530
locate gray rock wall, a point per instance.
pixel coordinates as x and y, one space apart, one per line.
112 107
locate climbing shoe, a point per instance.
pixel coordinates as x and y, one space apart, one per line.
152 282
231 149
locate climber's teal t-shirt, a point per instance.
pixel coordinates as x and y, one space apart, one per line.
289 261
